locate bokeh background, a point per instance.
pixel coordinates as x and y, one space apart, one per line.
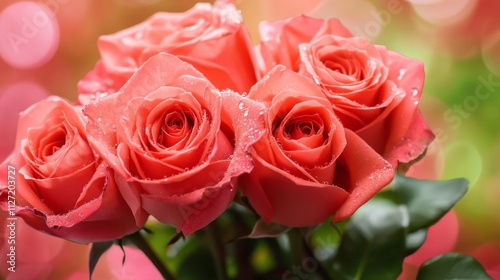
458 41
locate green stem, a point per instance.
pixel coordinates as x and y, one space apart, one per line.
138 240
322 271
296 245
218 250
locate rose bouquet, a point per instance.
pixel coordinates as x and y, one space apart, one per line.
185 137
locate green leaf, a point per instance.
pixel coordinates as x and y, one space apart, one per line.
414 240
373 244
452 266
98 248
428 201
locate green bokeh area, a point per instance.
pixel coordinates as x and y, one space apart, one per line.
461 101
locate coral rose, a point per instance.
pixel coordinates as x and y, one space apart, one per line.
308 167
59 186
210 37
375 92
177 141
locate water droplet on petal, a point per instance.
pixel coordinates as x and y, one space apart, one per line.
402 73
241 105
414 91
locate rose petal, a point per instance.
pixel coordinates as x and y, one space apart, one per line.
285 199
50 190
281 39
362 172
103 218
210 37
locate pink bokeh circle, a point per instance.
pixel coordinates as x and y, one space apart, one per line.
30 35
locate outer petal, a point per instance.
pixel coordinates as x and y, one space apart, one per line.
285 199
281 79
106 217
362 172
281 39
192 211
211 37
97 84
413 144
102 218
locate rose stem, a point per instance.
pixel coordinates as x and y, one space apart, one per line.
321 269
217 248
296 245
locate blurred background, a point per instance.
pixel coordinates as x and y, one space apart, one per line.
458 41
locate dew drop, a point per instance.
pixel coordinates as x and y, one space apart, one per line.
402 73
101 95
414 92
226 92
241 105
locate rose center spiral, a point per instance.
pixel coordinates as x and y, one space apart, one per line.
177 125
53 142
